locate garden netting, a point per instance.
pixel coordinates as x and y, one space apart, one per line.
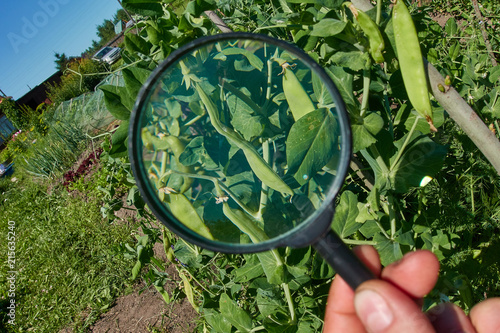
88 111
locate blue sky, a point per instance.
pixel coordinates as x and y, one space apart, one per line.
31 31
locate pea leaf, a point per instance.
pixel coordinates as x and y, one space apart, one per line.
143 7
451 27
355 60
248 125
389 250
423 125
186 255
134 43
216 320
422 157
344 222
311 144
195 152
252 58
116 101
275 273
328 27
249 271
344 83
238 317
134 78
365 129
119 140
268 301
321 93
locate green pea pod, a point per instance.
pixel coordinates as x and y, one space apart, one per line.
371 31
259 166
411 62
183 210
298 100
173 143
178 147
166 245
244 223
188 290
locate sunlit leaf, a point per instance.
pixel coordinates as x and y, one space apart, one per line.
238 317
344 222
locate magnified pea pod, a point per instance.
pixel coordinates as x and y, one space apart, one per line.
185 212
164 142
298 100
262 170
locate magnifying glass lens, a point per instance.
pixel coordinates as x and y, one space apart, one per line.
239 141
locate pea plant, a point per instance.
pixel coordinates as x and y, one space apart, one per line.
233 144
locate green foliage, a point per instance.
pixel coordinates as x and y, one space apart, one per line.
51 155
66 258
397 213
61 61
456 215
81 76
21 116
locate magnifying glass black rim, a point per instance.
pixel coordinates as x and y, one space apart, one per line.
304 234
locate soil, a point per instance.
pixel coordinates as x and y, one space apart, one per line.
147 312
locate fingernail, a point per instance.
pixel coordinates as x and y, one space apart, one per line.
373 311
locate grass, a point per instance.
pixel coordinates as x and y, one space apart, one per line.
68 267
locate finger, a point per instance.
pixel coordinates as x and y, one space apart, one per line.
383 307
448 317
484 316
416 273
340 315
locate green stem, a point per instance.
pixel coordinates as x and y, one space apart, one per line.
265 189
192 121
359 242
217 183
289 300
379 12
366 92
386 235
403 147
392 215
378 158
164 160
228 86
197 282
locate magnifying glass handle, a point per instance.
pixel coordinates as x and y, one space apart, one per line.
343 260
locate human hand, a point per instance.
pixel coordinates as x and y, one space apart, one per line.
393 303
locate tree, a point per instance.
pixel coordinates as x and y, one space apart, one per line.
61 61
121 15
106 31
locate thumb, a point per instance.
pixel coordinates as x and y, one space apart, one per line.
382 307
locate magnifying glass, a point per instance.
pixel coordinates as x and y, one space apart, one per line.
240 143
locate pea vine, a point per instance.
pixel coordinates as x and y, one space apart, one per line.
400 171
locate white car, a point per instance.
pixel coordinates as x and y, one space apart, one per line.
108 54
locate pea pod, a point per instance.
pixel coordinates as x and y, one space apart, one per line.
411 62
173 143
261 169
166 245
188 290
183 210
298 100
371 31
244 223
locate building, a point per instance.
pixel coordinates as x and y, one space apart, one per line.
38 95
